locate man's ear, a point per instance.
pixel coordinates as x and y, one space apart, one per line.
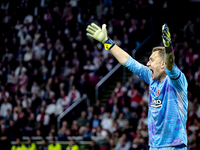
162 64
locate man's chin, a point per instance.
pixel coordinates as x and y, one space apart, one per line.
154 79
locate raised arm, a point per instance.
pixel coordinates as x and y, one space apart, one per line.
178 79
124 58
169 54
119 54
100 35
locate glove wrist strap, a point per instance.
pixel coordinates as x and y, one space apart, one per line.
109 44
169 49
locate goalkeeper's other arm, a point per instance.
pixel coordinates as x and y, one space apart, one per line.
169 54
100 35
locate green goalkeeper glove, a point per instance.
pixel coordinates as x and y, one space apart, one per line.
167 38
100 35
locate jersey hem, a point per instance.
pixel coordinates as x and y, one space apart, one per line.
167 145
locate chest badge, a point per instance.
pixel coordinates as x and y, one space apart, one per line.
158 93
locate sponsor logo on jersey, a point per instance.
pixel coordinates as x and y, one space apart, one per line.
156 103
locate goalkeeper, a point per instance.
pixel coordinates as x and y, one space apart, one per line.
167 113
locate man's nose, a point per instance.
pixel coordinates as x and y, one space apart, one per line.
148 64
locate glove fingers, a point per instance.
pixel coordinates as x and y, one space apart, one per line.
165 28
95 26
165 32
104 29
164 37
91 28
90 35
90 31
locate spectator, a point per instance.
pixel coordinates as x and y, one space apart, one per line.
5 107
87 134
109 62
120 92
97 107
74 94
127 129
83 119
30 125
106 123
24 36
54 69
100 135
65 70
54 145
4 93
13 133
34 87
48 16
110 102
12 81
94 146
62 131
43 121
115 127
20 118
138 143
111 145
28 56
50 53
145 96
123 145
90 113
129 82
31 145
23 82
115 108
54 108
95 121
134 96
89 68
134 120
44 76
18 145
74 128
4 134
26 102
194 126
71 82
127 113
144 130
143 119
43 145
72 145
121 120
103 113
8 117
63 100
42 65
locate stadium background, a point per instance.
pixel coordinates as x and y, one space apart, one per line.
48 64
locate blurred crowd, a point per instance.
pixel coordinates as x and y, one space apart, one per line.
48 63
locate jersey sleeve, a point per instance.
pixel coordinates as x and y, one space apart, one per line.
177 78
139 69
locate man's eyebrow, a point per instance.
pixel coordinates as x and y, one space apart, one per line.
150 58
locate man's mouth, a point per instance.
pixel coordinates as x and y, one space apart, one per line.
152 72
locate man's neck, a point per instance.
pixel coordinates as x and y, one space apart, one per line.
162 77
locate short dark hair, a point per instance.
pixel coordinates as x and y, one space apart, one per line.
161 51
